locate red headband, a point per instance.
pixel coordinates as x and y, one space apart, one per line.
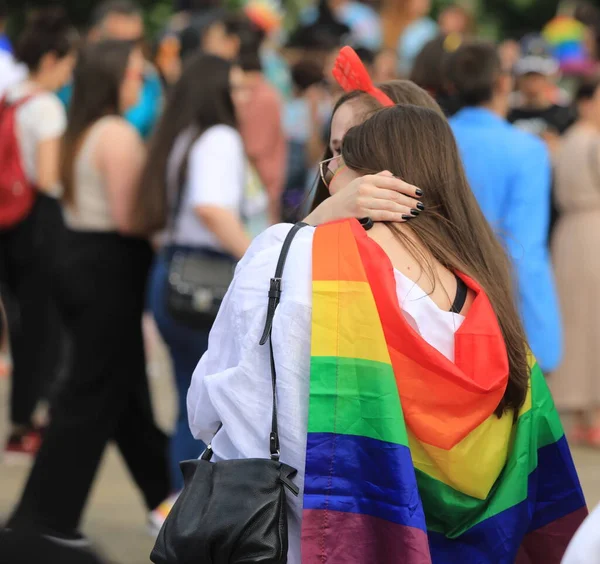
351 74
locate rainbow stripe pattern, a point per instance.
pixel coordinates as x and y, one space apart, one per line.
406 461
566 36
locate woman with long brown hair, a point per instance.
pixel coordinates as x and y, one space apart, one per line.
420 428
197 164
381 198
101 282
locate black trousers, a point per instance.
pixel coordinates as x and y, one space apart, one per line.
101 284
28 254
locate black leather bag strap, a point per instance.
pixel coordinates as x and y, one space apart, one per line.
274 299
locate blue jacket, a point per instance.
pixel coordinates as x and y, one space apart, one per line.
510 173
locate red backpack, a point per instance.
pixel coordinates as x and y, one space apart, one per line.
17 193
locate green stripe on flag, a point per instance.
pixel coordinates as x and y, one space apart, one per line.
355 397
542 402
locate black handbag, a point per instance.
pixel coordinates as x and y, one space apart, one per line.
196 285
234 511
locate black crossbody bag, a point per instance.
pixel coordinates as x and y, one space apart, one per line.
234 511
197 283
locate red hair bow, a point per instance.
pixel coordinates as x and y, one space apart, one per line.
351 74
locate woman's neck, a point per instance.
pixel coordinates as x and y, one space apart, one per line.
400 243
40 82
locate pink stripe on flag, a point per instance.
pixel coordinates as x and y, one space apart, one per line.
549 543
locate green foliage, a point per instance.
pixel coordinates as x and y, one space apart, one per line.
498 17
514 18
156 16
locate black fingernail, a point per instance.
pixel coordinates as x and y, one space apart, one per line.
420 206
419 192
415 212
407 217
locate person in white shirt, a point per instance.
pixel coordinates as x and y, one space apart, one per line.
46 54
197 165
100 285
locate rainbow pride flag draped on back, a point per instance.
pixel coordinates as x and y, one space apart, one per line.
406 462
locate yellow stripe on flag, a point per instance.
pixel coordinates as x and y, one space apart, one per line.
352 330
473 465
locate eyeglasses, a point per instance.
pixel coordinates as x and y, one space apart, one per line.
325 170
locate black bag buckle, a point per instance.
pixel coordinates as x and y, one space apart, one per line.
274 444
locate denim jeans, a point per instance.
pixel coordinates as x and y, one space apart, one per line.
186 346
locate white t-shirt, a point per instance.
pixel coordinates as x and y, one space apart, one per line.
43 117
216 175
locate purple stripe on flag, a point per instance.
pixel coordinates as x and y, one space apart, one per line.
351 538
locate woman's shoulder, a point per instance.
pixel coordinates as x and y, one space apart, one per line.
47 101
260 261
270 242
221 133
43 111
116 125
117 133
113 137
219 139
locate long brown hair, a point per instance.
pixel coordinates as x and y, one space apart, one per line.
97 80
200 99
417 145
399 91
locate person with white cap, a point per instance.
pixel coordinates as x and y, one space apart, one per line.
541 107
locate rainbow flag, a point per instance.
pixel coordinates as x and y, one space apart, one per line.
406 461
566 36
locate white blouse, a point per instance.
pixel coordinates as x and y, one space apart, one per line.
232 383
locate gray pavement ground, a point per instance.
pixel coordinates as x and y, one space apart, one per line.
116 520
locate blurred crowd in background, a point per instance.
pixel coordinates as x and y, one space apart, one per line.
98 122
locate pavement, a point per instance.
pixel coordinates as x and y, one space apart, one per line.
116 519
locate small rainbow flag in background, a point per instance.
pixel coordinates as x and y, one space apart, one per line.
266 14
406 461
566 36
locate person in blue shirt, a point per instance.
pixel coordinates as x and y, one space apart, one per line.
123 20
416 35
510 173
